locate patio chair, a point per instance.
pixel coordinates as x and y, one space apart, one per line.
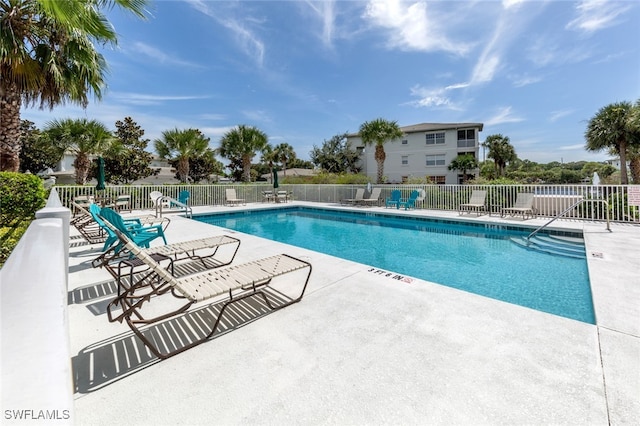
231 199
123 202
523 205
393 200
158 200
359 197
142 235
81 201
183 199
282 196
88 228
477 203
228 285
409 203
268 196
374 198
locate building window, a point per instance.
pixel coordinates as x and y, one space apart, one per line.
435 160
404 141
435 138
405 160
439 180
360 150
466 138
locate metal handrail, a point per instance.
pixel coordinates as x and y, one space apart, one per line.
568 209
172 201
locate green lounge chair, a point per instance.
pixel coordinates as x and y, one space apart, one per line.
394 199
409 203
141 236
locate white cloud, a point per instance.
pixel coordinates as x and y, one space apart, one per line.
504 115
326 12
556 115
257 115
525 80
158 55
435 97
245 36
594 15
411 27
144 99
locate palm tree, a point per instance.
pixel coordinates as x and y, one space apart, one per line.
84 138
377 132
269 157
181 146
500 150
47 57
463 163
610 129
634 149
284 154
243 142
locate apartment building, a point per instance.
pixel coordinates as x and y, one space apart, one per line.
424 151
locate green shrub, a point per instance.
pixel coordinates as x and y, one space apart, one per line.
21 195
9 237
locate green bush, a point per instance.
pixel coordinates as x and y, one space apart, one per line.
9 237
21 195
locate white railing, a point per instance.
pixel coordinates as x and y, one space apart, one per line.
36 361
548 201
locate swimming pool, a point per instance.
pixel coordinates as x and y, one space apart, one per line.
473 257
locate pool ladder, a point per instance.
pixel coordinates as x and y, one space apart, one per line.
568 209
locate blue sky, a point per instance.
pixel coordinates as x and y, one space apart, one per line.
302 71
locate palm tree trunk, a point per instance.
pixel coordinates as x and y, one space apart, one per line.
624 178
183 169
380 156
82 165
10 103
246 169
634 165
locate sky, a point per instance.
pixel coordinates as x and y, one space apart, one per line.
304 71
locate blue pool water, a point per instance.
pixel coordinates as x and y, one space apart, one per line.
473 258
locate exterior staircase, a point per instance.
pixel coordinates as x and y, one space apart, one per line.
553 244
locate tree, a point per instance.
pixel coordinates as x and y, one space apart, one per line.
201 168
335 156
127 160
37 152
463 163
243 142
501 151
634 149
612 128
182 146
269 158
284 154
377 132
84 138
47 56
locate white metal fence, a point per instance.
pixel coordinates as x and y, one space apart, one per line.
549 200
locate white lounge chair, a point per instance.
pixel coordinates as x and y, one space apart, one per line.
231 284
476 203
359 197
231 199
523 205
374 198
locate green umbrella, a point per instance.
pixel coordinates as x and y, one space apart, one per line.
275 178
100 186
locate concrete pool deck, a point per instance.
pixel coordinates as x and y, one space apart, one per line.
363 348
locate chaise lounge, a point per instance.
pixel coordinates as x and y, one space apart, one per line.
228 285
477 203
231 199
523 205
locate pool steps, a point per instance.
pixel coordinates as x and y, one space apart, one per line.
556 245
